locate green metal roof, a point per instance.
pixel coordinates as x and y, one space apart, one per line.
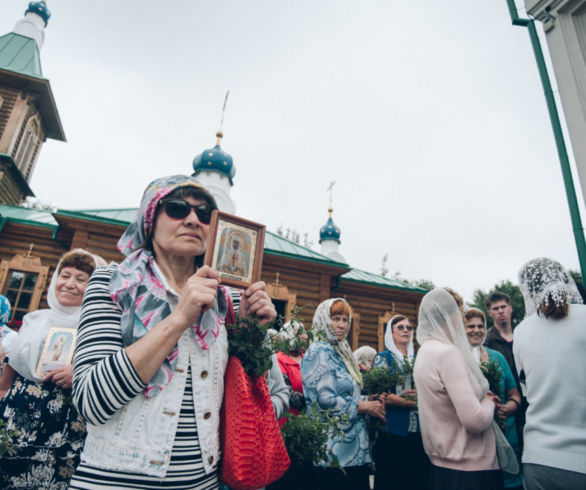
274 244
363 277
34 217
277 245
20 54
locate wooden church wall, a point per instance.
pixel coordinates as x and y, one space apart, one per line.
309 283
375 306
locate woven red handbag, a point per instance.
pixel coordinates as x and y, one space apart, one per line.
253 451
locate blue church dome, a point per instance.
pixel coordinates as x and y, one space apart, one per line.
216 160
39 8
330 231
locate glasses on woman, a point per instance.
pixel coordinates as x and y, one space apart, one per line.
180 209
404 327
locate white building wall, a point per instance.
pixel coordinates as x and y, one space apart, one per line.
564 22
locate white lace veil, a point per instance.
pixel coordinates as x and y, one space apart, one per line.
440 319
540 277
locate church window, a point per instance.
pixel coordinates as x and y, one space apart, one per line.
29 144
22 281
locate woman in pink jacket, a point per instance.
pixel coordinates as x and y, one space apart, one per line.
455 407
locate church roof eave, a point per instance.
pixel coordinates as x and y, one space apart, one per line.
46 104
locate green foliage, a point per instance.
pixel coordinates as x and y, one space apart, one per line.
494 375
506 287
299 343
246 342
380 380
420 283
6 437
579 283
306 437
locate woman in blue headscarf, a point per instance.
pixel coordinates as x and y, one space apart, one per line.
152 349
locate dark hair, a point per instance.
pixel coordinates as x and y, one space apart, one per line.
181 193
494 297
397 319
475 313
79 259
554 309
193 192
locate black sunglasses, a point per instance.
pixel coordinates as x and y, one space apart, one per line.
180 209
404 327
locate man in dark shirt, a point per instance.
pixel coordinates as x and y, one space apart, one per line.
500 338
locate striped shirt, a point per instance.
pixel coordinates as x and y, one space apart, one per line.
106 380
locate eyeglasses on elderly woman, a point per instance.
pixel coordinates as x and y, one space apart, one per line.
180 209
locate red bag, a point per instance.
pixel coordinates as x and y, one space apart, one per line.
253 451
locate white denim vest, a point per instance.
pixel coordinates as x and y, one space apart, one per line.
139 437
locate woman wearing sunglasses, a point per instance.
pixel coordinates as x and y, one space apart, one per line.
399 457
152 349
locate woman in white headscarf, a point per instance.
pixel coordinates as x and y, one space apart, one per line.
332 381
549 346
455 407
399 457
49 433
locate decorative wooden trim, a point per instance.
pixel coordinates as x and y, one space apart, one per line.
26 263
277 290
355 331
382 322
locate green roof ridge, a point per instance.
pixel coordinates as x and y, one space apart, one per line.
365 277
20 54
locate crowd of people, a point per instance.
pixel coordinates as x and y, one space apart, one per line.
138 405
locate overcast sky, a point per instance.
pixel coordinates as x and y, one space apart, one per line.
429 116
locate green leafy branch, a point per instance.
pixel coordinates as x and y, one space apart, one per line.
306 437
246 341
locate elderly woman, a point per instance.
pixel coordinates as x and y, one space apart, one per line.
549 346
152 349
399 457
332 381
455 407
507 390
49 432
365 357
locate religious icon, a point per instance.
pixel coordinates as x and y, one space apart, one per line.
58 350
235 249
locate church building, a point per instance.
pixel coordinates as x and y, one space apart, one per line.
32 240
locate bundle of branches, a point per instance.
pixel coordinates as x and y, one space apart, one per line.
246 341
494 375
380 380
306 437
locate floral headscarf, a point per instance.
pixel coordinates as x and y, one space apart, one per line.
4 310
322 326
139 287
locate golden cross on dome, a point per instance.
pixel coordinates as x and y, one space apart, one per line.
220 134
331 189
